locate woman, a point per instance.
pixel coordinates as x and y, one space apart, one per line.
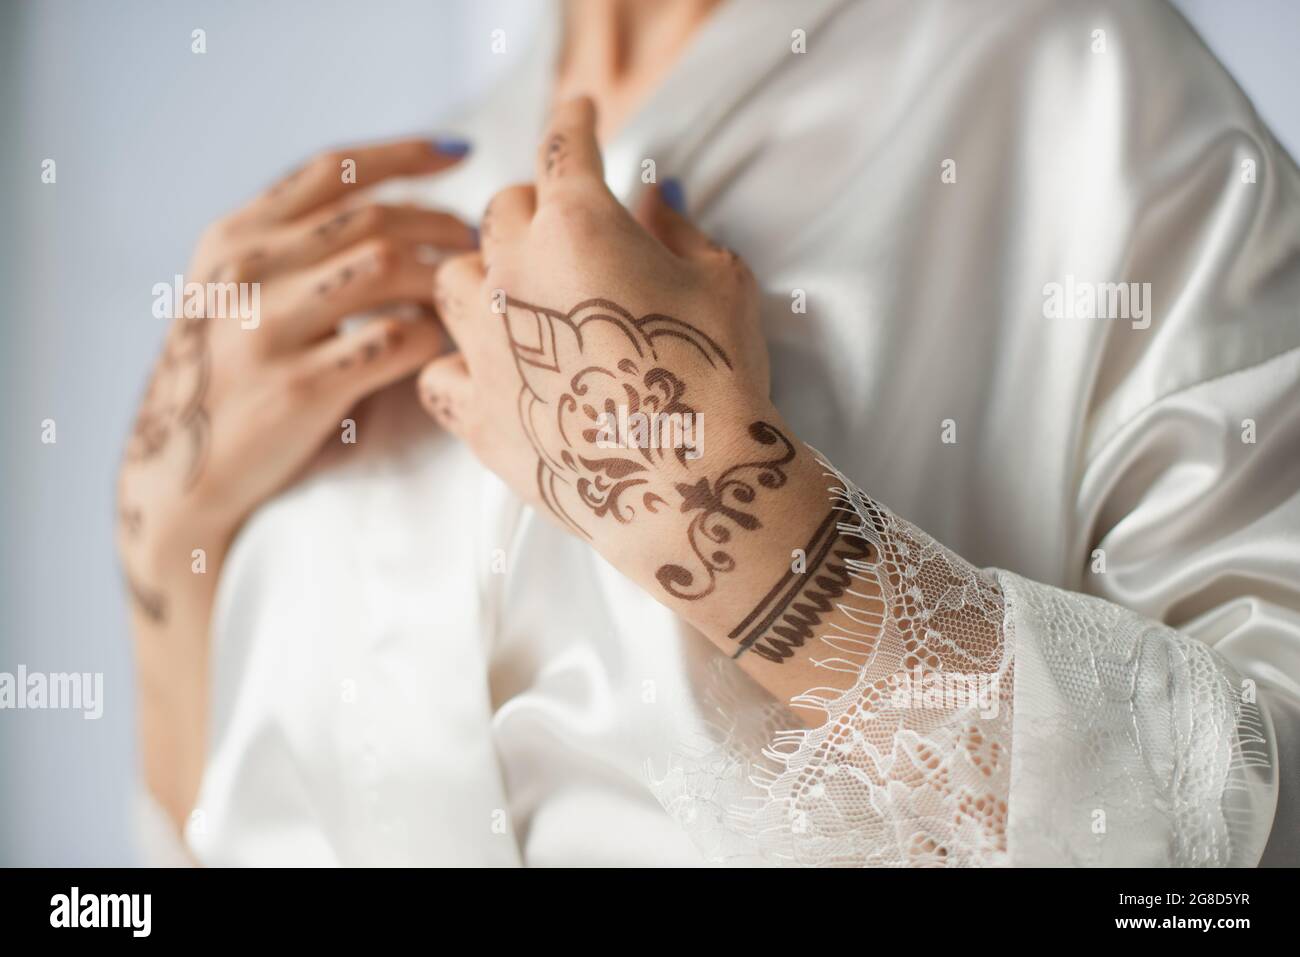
409 664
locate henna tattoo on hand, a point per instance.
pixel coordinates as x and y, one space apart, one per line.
556 153
334 225
131 519
564 397
174 408
720 510
441 407
345 275
149 602
336 282
174 403
797 604
372 349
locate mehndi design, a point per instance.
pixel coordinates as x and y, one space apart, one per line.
789 614
564 399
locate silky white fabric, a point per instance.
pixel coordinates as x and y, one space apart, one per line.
409 668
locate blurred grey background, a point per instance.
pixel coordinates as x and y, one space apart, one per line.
152 142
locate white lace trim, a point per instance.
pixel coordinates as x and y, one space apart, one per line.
1133 744
893 776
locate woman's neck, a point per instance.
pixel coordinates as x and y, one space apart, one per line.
618 51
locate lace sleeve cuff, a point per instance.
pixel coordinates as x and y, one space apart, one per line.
993 721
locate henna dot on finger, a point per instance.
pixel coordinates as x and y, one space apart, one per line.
440 408
333 226
342 278
556 153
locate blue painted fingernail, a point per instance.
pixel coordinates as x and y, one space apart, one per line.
450 146
670 190
473 236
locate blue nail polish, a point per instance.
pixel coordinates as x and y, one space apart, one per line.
473 236
670 190
450 146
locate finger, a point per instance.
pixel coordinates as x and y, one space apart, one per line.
446 392
569 152
344 369
336 173
507 217
459 296
670 227
342 224
310 303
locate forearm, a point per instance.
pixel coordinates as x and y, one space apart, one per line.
172 585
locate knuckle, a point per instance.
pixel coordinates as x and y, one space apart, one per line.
385 256
241 269
729 266
216 241
372 218
298 386
326 163
217 232
515 193
453 272
571 214
443 278
389 334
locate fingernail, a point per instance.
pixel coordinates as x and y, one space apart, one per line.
473 236
671 192
450 146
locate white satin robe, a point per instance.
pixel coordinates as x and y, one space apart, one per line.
411 668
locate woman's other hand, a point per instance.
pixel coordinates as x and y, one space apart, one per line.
253 378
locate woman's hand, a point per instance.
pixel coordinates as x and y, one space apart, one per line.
569 284
253 379
239 402
612 371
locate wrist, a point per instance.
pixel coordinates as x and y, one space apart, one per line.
171 562
752 498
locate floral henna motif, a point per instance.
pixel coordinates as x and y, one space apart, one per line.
563 413
560 409
722 506
174 402
174 410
